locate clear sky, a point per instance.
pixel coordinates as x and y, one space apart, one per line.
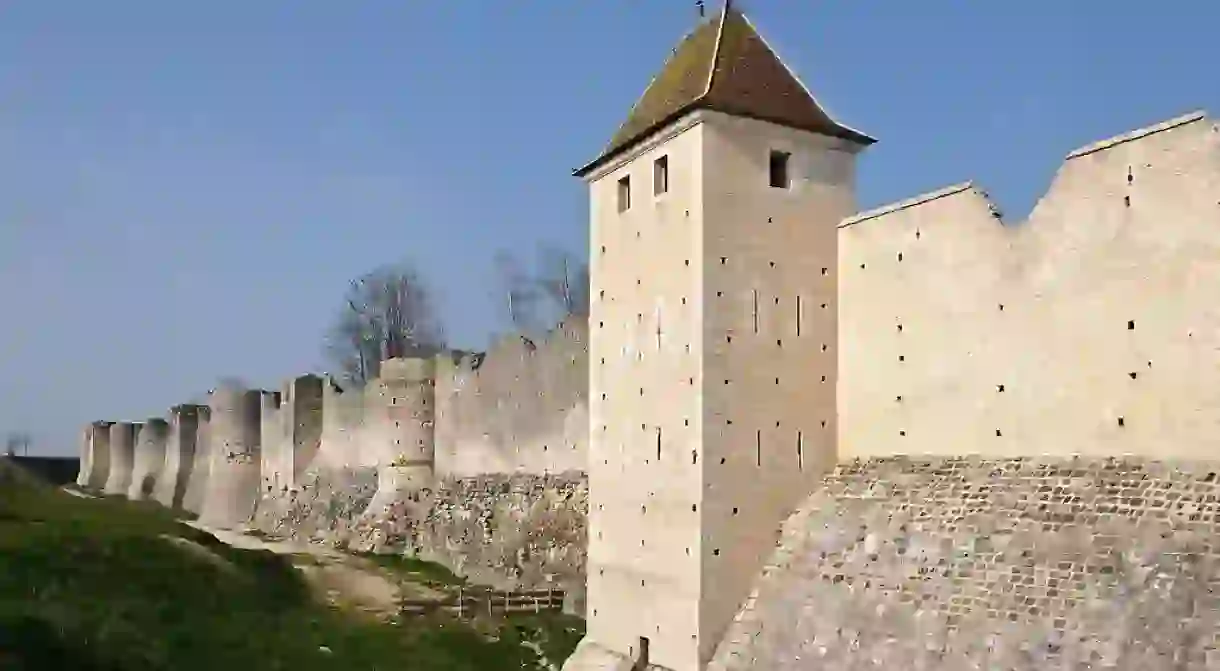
186 188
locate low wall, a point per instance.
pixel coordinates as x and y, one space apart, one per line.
55 470
1016 563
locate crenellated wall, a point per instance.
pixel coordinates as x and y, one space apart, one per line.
519 408
1091 328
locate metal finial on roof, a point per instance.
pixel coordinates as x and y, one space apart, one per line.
699 4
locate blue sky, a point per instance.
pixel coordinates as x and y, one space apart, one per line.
186 188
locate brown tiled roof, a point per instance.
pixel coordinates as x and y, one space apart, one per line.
724 65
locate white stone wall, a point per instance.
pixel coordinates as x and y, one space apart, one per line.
1091 328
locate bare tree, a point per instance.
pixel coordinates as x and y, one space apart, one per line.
520 293
557 288
387 313
563 280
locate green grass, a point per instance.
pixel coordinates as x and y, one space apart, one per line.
416 570
92 585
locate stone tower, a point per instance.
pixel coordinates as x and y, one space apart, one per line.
712 340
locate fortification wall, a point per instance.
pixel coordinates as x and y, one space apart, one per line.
201 463
122 453
181 440
95 456
1005 563
1091 328
149 459
519 408
234 460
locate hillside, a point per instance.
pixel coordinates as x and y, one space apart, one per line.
102 584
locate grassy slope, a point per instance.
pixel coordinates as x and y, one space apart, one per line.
90 584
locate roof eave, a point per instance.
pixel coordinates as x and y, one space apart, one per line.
843 133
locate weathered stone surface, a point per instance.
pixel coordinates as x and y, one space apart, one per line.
967 563
323 508
507 531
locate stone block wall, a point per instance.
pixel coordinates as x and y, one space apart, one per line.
1013 563
519 408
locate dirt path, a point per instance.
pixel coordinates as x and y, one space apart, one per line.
346 581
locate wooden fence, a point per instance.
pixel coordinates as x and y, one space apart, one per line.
469 602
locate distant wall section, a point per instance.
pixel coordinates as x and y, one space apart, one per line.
520 408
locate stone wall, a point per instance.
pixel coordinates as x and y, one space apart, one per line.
1093 327
957 563
519 408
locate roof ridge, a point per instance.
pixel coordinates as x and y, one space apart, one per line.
711 70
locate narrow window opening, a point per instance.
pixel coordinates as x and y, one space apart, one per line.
900 256
800 451
1131 325
1122 422
624 193
658 443
1127 201
997 433
779 169
758 448
755 310
798 315
660 176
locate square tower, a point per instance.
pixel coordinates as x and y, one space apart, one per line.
712 340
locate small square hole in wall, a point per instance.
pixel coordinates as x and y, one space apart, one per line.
1131 325
624 193
1122 421
777 166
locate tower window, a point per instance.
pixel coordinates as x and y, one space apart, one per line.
779 169
660 176
624 193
